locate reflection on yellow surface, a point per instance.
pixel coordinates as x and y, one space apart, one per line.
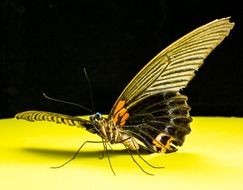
211 158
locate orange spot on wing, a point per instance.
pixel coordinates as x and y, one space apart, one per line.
119 106
120 113
124 117
122 123
115 119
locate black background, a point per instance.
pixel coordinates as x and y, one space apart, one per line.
46 43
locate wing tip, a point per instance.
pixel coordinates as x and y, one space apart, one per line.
226 20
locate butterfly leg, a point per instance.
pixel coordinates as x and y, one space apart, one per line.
74 156
152 166
102 155
131 144
136 161
136 149
103 152
107 154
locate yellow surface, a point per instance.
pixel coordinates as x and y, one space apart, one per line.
211 158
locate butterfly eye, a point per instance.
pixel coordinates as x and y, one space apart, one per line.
98 116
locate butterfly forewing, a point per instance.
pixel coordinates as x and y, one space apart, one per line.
174 67
152 108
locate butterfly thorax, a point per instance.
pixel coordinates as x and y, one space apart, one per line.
112 133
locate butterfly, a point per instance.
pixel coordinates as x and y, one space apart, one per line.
151 114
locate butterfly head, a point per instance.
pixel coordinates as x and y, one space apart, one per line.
96 120
96 117
104 127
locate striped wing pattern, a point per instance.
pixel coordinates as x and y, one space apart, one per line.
174 67
54 117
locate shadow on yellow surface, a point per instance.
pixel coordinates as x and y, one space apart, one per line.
212 158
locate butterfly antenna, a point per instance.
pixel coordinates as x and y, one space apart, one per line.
90 89
66 102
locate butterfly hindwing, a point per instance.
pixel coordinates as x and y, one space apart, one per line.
161 121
